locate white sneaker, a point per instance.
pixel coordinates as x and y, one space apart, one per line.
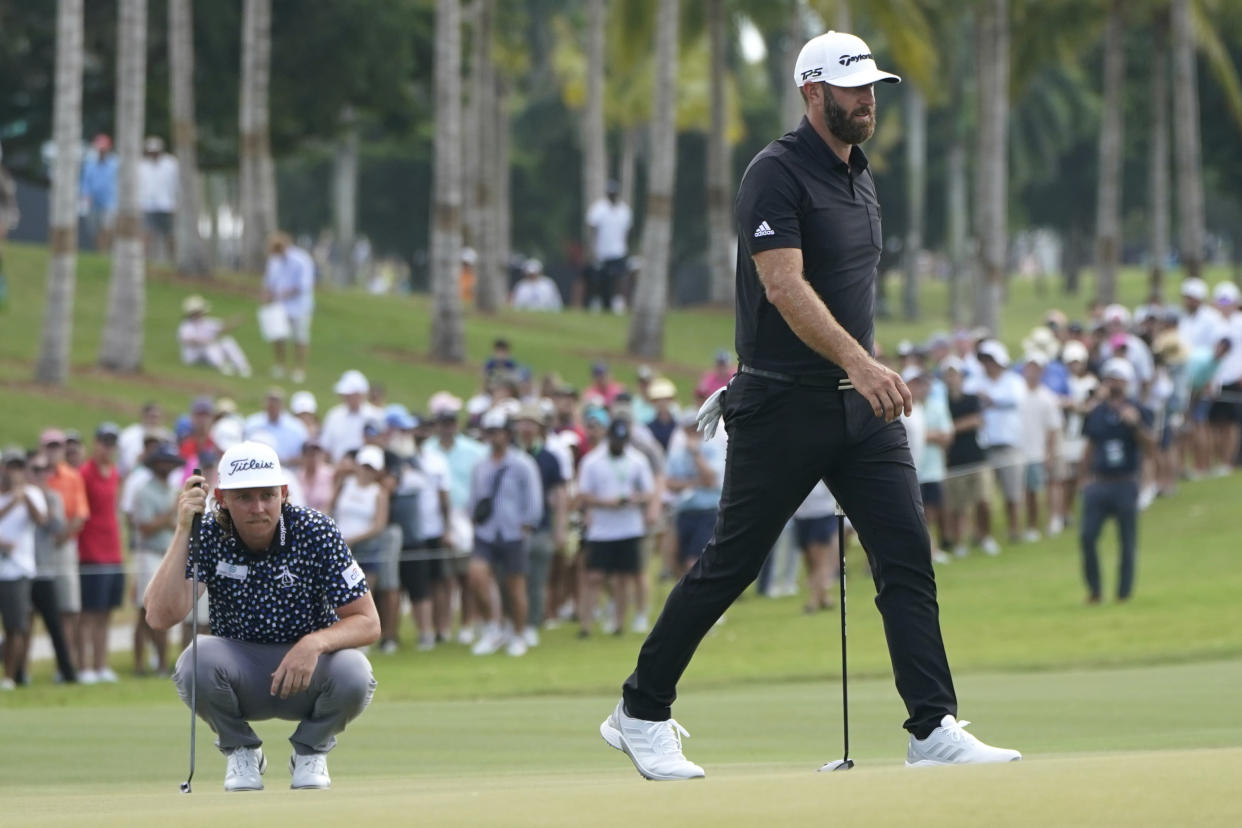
653 747
310 772
491 641
1030 536
465 636
426 643
960 551
939 557
990 546
1055 526
88 677
298 375
7 683
950 744
244 771
389 647
1147 496
639 624
517 646
531 636
108 677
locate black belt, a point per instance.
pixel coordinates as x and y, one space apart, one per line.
833 383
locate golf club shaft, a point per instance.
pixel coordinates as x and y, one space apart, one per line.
845 684
196 529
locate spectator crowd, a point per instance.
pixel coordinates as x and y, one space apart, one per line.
536 502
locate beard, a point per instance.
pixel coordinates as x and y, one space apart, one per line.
844 125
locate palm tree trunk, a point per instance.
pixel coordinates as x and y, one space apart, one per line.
651 295
1186 149
474 138
448 336
503 225
959 226
594 149
719 215
121 347
488 291
345 193
1158 157
792 107
916 190
1108 201
629 164
191 251
992 178
53 365
258 175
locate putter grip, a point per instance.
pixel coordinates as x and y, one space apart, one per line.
196 525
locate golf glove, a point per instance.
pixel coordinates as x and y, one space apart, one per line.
710 412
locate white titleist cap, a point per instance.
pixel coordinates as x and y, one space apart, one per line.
839 59
1194 288
1118 368
250 465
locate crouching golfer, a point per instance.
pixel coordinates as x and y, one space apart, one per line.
288 604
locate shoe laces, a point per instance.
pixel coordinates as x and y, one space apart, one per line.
667 736
957 732
244 760
315 763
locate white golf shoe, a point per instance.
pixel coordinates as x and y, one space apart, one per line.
950 744
244 771
653 747
310 771
493 639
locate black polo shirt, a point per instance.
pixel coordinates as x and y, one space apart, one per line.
797 193
1115 447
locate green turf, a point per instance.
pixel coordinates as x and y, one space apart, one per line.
387 337
1128 746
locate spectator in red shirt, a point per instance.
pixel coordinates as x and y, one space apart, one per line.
603 384
716 378
99 556
202 417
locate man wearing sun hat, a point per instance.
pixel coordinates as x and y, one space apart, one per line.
289 606
810 402
204 339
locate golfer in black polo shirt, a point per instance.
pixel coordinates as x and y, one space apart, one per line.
809 403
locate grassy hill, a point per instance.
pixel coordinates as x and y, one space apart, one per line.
384 336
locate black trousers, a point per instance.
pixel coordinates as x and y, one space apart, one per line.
43 598
1102 499
782 439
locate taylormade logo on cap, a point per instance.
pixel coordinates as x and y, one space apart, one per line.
840 59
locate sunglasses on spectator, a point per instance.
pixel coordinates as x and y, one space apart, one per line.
40 469
53 444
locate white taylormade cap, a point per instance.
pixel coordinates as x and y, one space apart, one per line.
839 59
249 465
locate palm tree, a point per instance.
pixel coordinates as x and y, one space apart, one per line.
1112 149
1186 147
1158 157
991 179
53 365
191 250
488 286
594 149
258 174
916 189
651 296
121 348
448 335
345 192
719 188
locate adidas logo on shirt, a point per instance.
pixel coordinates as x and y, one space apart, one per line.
764 230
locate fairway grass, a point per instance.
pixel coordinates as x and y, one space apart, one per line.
1127 747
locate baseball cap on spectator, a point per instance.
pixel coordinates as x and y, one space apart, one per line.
303 402
445 415
723 357
399 417
1225 293
532 267
599 369
1074 351
13 456
226 433
597 415
995 351
371 456
1118 368
107 431
202 405
1055 319
72 435
352 382
840 59
1115 315
1194 288
194 304
1118 340
661 389
153 143
494 419
952 364
904 348
530 411
443 401
164 454
51 436
249 465
468 256
644 373
911 373
619 430
1036 357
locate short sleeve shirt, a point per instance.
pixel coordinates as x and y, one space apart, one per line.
1115 447
290 591
797 194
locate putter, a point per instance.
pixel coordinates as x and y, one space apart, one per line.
196 528
845 762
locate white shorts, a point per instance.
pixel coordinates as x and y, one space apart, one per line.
145 563
299 327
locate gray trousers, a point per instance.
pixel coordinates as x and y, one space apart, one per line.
234 689
542 550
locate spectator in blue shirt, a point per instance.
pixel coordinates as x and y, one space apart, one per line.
98 189
695 475
287 432
289 281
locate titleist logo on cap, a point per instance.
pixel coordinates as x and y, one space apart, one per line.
249 464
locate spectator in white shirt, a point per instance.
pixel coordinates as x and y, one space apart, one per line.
1116 320
615 486
22 508
609 221
929 431
204 339
535 291
343 425
130 445
157 197
290 282
1201 325
965 343
1000 393
1225 413
1040 413
1081 399
286 431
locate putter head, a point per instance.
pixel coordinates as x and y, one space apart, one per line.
185 787
837 765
